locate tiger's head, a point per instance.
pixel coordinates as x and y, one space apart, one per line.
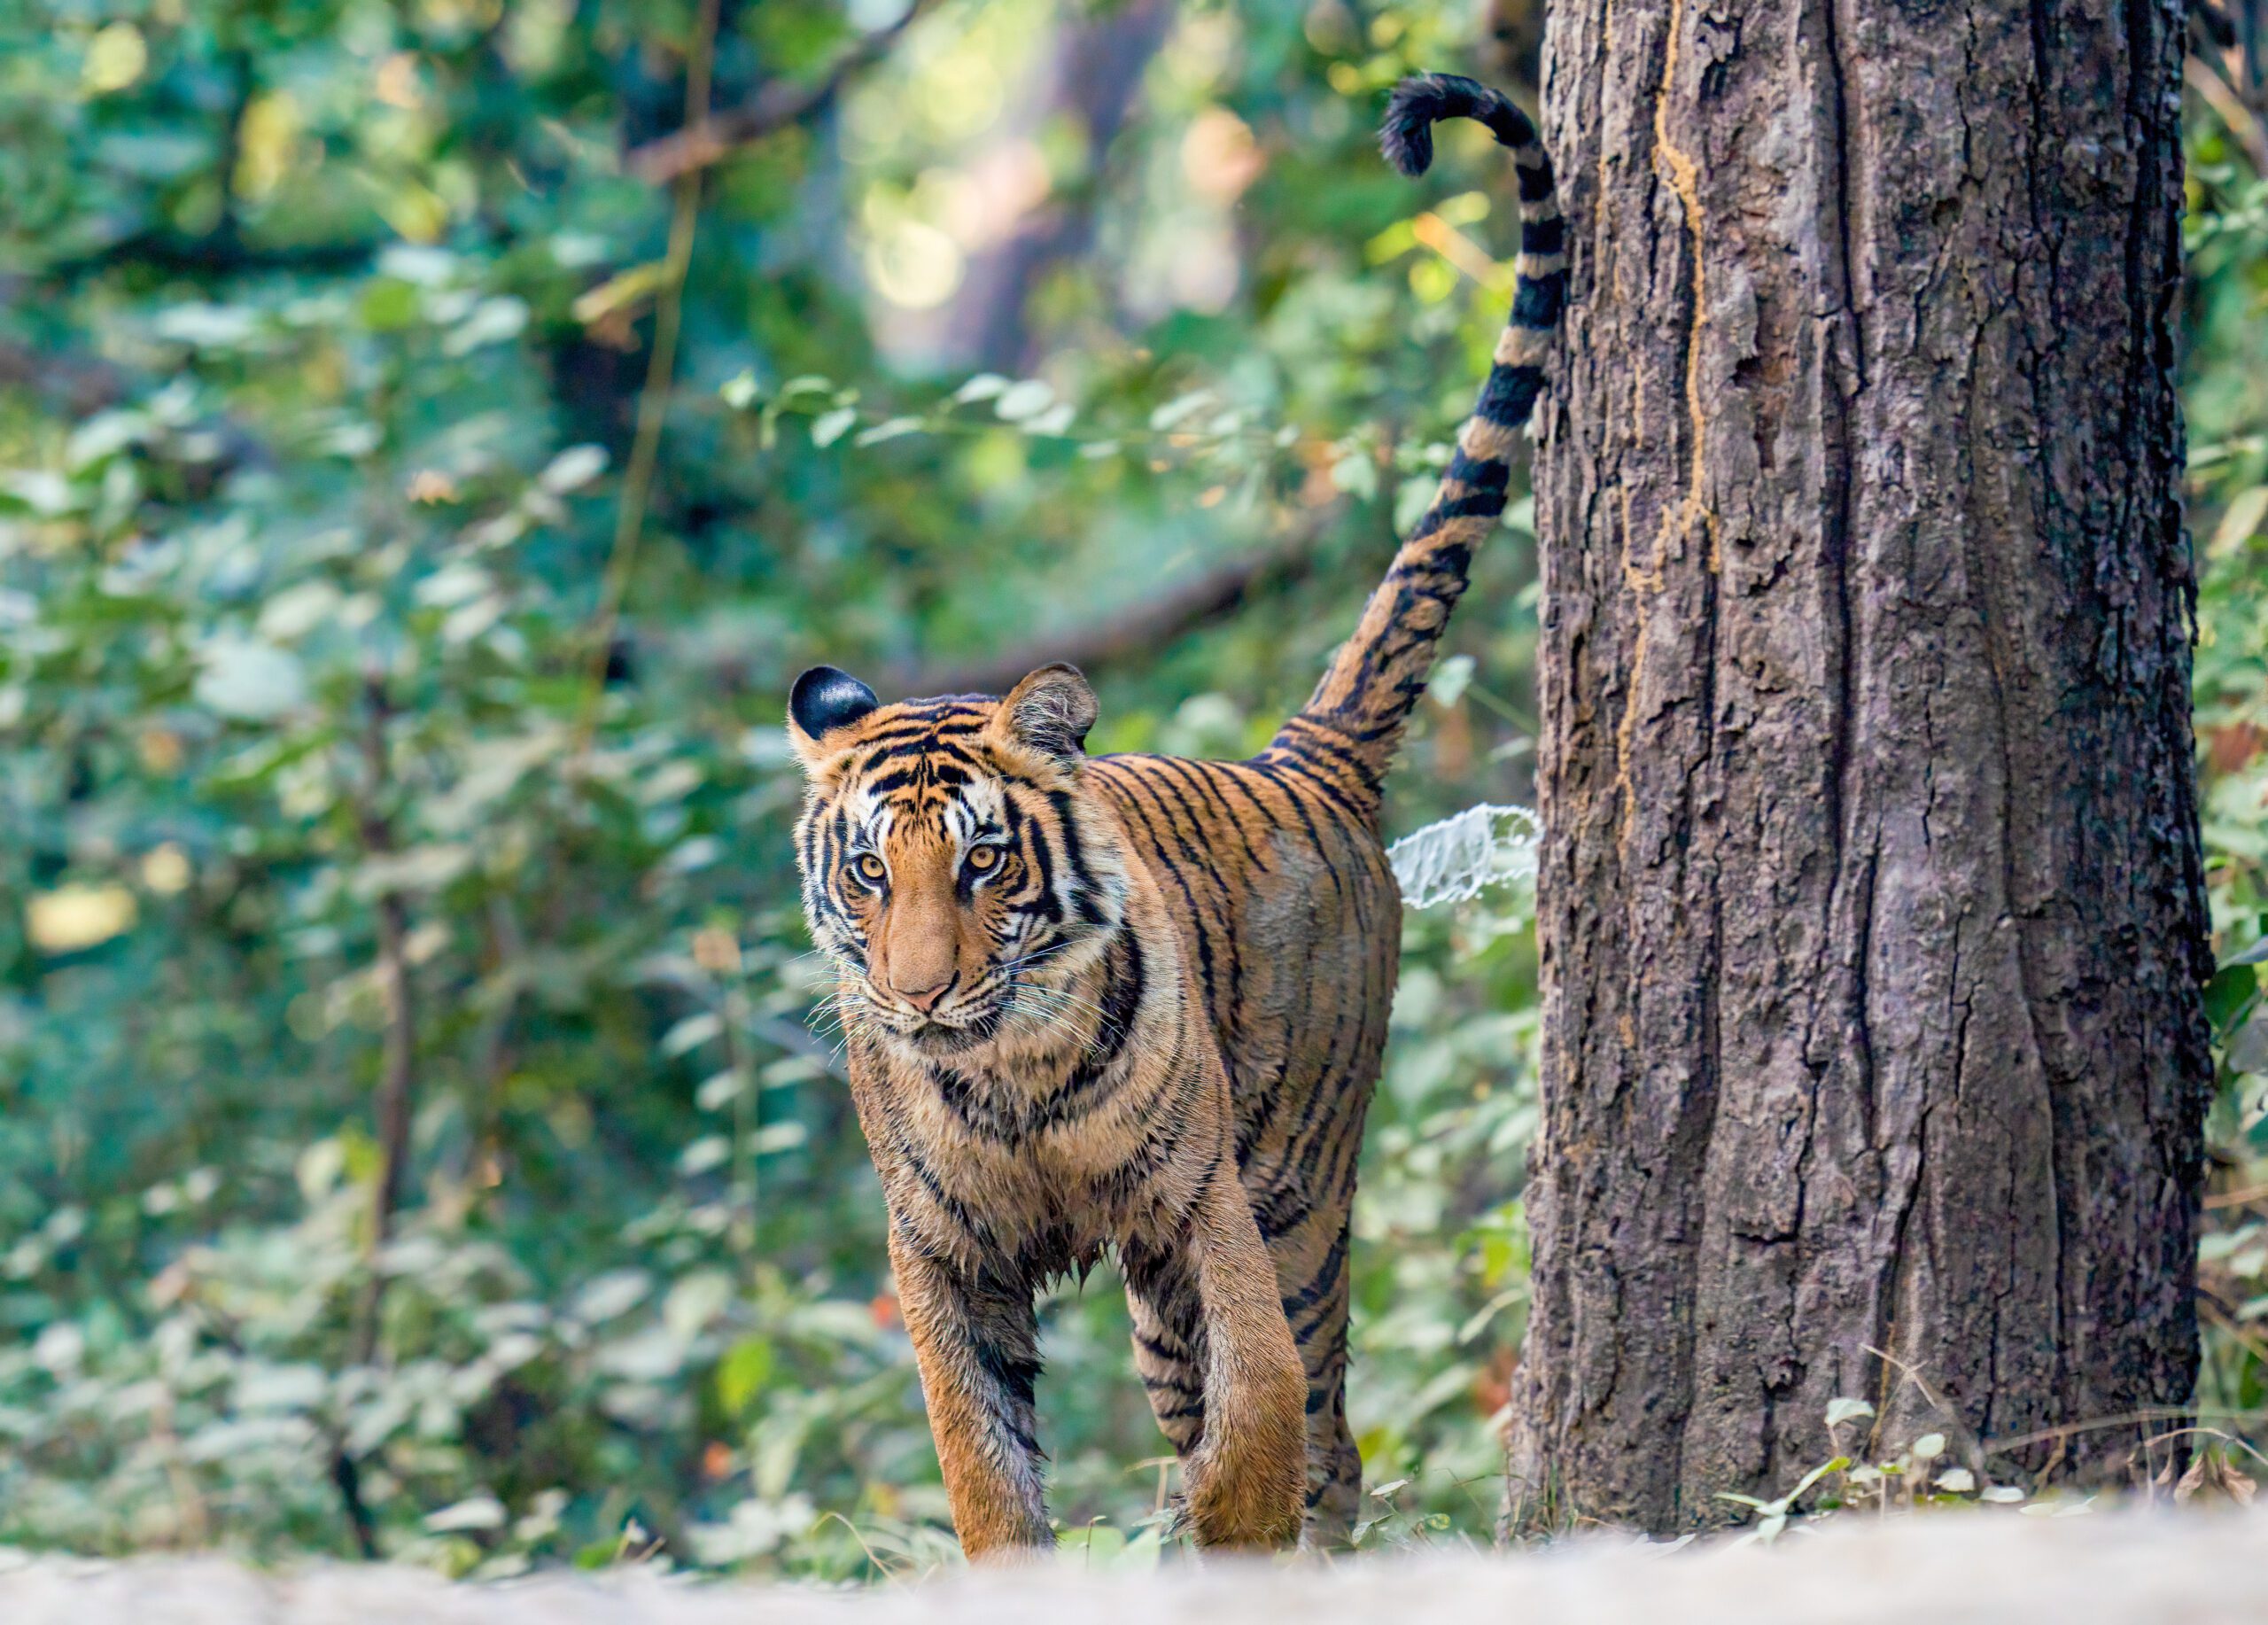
953 867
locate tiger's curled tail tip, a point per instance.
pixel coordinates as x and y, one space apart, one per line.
1420 102
1406 134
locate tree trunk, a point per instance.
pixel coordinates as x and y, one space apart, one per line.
1872 916
1096 74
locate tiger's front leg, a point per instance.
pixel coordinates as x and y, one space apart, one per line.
977 1340
1246 1472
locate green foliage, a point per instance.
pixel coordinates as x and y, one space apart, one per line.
2227 401
326 324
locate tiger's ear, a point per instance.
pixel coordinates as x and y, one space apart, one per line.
823 700
1049 714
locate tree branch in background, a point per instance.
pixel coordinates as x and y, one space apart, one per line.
397 1082
654 397
2224 66
706 139
2245 126
215 254
483 1169
2239 35
1140 629
397 1071
1098 71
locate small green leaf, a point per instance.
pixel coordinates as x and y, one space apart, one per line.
711 1151
572 469
829 427
1180 409
1447 685
719 1091
779 1137
1020 401
2227 995
890 429
620 292
479 1512
691 1033
743 1372
2239 521
1356 474
1812 1477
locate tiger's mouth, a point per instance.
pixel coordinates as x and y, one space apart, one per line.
963 1027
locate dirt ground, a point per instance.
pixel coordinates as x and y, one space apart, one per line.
2195 1567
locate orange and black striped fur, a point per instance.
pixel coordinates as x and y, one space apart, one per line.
1137 1003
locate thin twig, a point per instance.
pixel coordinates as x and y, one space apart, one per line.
2222 1433
2250 1343
889 1575
654 397
2124 1419
396 1093
1977 1448
508 982
396 1073
704 140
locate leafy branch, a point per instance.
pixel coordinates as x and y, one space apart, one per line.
705 140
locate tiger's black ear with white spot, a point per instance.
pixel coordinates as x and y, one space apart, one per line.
1048 714
823 700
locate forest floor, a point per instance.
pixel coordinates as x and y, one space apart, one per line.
2196 1568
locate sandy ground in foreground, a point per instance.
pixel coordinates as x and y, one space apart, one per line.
2195 1567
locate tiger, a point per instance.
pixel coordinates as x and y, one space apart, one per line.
1137 1004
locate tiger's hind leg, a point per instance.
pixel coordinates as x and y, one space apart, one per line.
1168 1347
1301 1188
1311 1269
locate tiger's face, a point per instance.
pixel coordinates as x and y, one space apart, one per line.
953 868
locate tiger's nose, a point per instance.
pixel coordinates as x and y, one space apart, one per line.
924 999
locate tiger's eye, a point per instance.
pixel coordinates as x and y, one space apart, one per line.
984 858
870 870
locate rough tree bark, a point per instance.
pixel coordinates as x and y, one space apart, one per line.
1873 918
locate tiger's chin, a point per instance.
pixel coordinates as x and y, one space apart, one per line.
956 1033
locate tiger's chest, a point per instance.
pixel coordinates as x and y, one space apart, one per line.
1044 1169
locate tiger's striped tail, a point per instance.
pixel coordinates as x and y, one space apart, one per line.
1357 713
